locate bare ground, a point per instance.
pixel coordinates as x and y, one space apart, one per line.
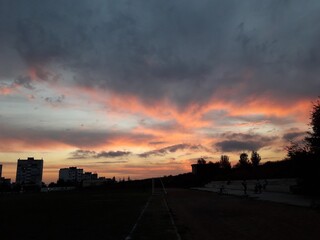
205 215
155 223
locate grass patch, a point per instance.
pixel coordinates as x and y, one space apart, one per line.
103 214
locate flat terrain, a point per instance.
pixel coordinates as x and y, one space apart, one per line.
107 214
205 215
112 214
155 222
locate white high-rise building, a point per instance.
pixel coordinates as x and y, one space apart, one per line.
29 171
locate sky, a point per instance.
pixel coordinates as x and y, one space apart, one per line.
144 88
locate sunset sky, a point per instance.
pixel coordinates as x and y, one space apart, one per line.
144 88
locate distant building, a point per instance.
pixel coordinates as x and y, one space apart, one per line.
204 169
5 183
29 171
96 182
90 176
71 174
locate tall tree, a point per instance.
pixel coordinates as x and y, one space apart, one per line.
306 155
313 138
224 162
202 161
255 158
244 161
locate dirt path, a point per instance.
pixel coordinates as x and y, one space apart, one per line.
205 215
155 223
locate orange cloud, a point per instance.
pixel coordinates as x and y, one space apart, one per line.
191 118
32 72
5 90
187 120
12 145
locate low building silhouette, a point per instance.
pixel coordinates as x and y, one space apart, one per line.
5 183
71 174
74 176
96 182
202 168
90 176
29 172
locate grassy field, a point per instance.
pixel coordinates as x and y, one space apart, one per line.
103 214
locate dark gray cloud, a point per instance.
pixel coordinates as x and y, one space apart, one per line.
224 118
260 119
165 150
184 51
113 162
81 138
247 136
20 81
82 154
236 146
173 149
294 136
112 154
85 154
235 142
55 100
24 81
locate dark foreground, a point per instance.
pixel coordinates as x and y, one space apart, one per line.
205 215
104 214
111 214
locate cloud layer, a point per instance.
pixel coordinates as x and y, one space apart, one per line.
237 142
167 80
87 154
182 51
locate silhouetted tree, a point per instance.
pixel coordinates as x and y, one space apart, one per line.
201 161
243 161
255 158
310 148
306 155
297 151
224 162
313 138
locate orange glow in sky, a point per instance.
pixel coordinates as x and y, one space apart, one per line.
131 90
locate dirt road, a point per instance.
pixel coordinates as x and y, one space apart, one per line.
205 215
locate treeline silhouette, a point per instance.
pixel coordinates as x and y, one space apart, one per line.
305 155
302 162
219 171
